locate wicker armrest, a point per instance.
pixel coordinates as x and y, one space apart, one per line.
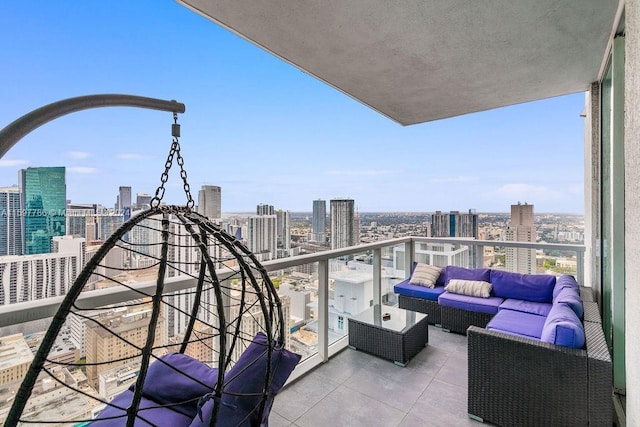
521 381
591 312
586 294
600 375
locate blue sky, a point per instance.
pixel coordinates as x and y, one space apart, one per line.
259 128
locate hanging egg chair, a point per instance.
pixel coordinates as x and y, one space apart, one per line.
200 341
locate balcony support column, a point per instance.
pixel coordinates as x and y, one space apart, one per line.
377 276
479 261
580 267
409 256
323 310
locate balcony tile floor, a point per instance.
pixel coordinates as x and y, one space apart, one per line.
356 389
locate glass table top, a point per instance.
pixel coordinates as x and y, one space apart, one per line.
398 319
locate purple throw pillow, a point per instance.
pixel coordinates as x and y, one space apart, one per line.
244 384
176 378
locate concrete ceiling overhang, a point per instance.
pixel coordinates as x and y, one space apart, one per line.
421 60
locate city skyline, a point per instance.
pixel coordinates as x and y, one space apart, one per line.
258 127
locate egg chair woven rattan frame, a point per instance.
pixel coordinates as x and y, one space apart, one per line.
232 299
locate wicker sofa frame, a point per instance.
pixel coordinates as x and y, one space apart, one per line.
517 381
448 318
458 320
421 305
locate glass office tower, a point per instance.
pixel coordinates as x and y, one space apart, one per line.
44 194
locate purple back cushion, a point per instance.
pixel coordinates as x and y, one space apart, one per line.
565 281
563 327
453 272
570 297
528 287
244 384
184 379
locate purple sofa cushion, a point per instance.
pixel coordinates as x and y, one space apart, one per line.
571 297
148 410
565 281
529 287
481 305
563 327
539 308
180 378
518 323
416 291
244 384
453 272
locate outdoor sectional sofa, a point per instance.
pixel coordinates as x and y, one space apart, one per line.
536 348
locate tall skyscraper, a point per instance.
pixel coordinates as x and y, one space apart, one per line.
262 237
124 198
10 221
210 201
319 222
342 223
265 209
142 200
44 198
454 224
283 227
356 227
521 229
93 222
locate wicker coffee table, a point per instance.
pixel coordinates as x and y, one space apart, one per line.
399 337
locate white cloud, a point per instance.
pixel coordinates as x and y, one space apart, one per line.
78 155
453 179
363 172
13 163
82 169
131 156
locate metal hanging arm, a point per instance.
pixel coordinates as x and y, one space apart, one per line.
13 132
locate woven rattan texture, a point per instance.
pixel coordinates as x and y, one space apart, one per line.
516 381
397 346
458 320
421 305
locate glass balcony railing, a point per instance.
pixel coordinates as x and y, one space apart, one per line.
321 291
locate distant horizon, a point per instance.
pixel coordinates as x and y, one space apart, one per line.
410 212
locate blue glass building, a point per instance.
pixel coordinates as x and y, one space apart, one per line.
44 196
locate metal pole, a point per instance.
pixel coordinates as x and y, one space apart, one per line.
11 134
323 310
377 276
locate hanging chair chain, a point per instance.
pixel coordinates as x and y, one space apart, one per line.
174 151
